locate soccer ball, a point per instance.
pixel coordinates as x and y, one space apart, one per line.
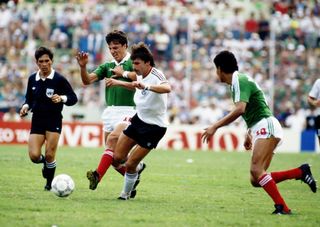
62 185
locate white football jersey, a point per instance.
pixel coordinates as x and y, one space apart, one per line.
315 93
151 107
315 90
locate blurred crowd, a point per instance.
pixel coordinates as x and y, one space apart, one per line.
184 36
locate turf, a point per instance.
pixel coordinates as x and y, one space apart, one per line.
213 190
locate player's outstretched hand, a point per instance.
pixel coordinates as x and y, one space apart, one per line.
208 133
82 58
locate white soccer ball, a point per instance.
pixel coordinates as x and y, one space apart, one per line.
62 185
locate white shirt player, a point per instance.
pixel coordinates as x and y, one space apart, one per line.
151 107
315 92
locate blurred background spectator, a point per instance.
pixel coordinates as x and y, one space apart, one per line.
184 35
11 115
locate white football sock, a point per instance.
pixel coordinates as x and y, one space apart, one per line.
129 180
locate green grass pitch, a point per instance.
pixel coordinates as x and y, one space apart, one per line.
213 190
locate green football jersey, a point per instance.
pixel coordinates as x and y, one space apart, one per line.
245 89
116 95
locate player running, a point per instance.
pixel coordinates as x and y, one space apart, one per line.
264 131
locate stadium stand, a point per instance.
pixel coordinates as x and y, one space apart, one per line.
241 26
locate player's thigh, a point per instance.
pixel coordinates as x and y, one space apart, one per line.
115 134
262 153
35 143
106 136
137 154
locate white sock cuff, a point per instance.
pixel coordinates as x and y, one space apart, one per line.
51 165
265 180
131 176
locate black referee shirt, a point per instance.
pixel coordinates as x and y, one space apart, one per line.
39 93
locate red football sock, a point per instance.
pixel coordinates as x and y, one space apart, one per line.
286 175
121 169
105 162
269 185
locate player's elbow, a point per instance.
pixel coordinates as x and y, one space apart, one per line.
240 111
311 101
167 88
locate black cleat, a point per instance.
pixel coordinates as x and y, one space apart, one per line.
308 178
133 193
279 210
47 187
93 178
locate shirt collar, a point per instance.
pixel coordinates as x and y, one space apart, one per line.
126 58
234 78
48 77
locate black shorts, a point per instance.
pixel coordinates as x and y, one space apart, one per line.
41 124
146 135
317 120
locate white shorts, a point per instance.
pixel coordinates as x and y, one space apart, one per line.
266 128
114 115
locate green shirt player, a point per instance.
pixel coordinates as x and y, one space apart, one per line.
264 130
120 105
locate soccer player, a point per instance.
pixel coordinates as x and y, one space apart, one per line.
120 104
264 131
47 92
314 102
150 122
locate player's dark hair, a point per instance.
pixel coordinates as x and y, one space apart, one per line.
142 52
226 61
42 51
117 37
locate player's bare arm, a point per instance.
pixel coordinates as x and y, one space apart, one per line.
119 72
161 88
114 82
313 101
230 117
87 78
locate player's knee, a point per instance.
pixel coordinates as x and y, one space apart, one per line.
254 179
254 182
34 158
112 140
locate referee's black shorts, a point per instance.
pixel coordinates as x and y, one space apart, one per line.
317 124
146 135
42 123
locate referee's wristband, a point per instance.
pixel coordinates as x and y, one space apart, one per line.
125 74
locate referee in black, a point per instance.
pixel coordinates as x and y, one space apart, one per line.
47 92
